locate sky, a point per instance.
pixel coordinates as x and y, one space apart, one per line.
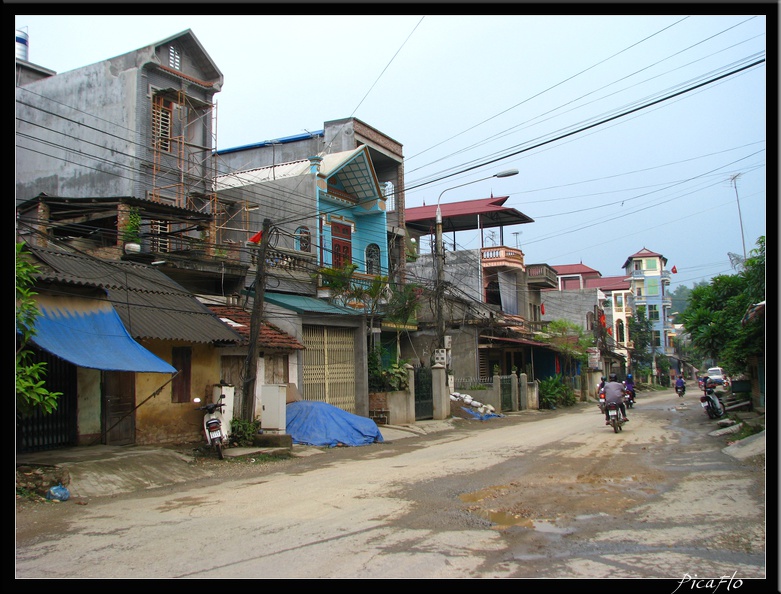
628 132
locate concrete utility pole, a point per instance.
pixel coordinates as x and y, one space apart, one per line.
251 365
440 256
734 179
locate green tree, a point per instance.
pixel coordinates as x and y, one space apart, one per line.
571 342
31 392
715 314
641 333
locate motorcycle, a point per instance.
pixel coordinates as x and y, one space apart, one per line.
616 418
213 427
712 404
680 390
602 402
629 397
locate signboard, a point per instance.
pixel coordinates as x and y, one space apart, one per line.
593 358
440 356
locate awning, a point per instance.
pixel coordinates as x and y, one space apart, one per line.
89 333
302 304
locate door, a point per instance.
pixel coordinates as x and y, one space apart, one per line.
119 403
329 366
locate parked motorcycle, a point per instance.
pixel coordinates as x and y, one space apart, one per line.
712 404
213 426
615 416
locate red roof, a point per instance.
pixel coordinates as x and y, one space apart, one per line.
463 215
269 337
567 269
608 283
645 253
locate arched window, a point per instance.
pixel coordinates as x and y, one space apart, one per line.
303 239
620 331
373 259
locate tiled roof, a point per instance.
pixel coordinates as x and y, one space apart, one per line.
565 269
269 337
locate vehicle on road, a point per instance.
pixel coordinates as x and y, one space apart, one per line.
717 377
616 418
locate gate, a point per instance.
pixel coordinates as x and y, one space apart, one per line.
506 387
38 431
424 399
329 365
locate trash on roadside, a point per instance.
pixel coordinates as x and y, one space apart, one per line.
58 493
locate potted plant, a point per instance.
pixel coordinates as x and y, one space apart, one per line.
131 233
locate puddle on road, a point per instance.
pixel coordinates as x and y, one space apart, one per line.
504 520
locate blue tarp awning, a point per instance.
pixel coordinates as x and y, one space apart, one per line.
321 424
88 333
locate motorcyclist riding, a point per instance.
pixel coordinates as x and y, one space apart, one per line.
614 393
680 385
629 384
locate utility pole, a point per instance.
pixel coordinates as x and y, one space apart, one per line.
734 179
251 365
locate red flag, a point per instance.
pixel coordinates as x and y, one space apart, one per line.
674 270
542 309
257 237
610 331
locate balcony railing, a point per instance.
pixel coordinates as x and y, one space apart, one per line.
542 275
502 256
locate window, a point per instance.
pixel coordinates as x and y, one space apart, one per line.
656 338
653 313
652 286
620 333
174 59
638 264
181 359
373 259
162 110
618 300
650 264
159 239
303 239
341 244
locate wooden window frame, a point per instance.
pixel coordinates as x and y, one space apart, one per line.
181 359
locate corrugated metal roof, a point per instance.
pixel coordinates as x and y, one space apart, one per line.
302 304
465 215
269 337
150 304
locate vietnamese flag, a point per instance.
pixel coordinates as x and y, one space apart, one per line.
674 270
257 237
610 331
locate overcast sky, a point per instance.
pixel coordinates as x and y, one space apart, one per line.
678 161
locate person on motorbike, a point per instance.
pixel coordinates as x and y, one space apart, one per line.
629 385
680 385
614 393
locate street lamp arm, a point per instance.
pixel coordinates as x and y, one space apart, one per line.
508 173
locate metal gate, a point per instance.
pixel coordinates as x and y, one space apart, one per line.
38 432
506 388
424 399
329 366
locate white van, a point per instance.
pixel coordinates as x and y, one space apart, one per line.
716 376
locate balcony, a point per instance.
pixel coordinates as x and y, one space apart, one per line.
501 256
541 276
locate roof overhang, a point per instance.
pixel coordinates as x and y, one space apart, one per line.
89 333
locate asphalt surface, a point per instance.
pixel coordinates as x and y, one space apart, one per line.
110 470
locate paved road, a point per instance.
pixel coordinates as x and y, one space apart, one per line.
421 508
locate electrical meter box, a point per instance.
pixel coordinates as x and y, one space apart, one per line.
440 356
273 399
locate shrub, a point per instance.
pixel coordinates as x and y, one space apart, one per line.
555 392
243 432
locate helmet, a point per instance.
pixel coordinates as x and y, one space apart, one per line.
628 376
613 377
603 378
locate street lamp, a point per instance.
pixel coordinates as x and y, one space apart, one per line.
440 255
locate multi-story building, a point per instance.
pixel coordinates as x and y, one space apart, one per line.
648 282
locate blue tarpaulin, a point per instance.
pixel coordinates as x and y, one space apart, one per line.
89 333
323 424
